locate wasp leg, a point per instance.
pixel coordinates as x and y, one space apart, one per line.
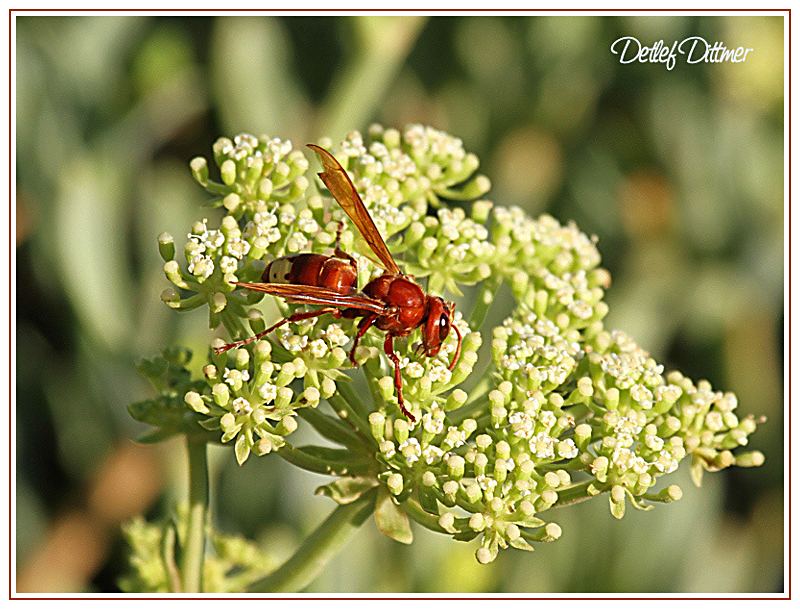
363 326
291 319
339 252
457 354
388 346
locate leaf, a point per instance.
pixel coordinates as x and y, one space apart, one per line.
242 449
427 501
346 490
491 542
337 376
230 434
156 435
209 424
392 521
637 503
531 521
466 534
520 544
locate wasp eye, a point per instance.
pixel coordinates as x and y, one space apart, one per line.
444 326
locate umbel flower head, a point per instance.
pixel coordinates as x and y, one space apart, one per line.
566 409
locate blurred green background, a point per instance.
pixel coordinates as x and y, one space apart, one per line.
679 173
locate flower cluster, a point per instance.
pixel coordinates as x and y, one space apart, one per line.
419 164
254 170
256 409
565 411
233 564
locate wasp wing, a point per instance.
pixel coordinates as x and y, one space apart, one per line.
314 295
344 191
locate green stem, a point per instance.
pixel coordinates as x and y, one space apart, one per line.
331 428
322 545
328 466
578 493
359 89
168 556
346 402
191 563
415 511
485 299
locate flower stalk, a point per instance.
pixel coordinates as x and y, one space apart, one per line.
193 551
324 543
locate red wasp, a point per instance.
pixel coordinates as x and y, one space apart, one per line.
392 302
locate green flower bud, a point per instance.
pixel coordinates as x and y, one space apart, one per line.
455 467
211 374
265 188
377 423
284 398
500 471
427 248
600 468
221 394
217 302
473 493
447 522
232 203
287 425
401 428
327 387
549 532
227 422
526 468
395 484
255 165
455 400
286 374
171 298
481 461
310 397
386 388
752 459
228 172
174 274
484 556
196 403
583 435
199 168
300 367
477 522
269 443
166 246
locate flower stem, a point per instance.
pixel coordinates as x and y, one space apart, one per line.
322 545
350 408
577 493
483 302
191 563
382 46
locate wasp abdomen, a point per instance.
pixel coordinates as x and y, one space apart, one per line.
312 269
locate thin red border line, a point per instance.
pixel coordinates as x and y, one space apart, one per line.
11 198
689 12
11 15
789 11
788 580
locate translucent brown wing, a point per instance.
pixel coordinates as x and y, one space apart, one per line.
344 191
314 295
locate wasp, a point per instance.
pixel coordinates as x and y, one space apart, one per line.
392 302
